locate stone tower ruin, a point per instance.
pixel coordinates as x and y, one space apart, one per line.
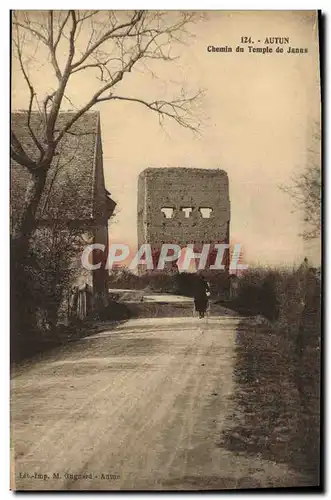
183 206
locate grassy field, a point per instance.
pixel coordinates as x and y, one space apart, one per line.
279 368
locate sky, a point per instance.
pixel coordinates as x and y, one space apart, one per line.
259 113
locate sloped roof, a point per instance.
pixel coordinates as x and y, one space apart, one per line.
69 192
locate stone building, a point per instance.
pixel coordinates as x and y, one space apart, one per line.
74 198
183 206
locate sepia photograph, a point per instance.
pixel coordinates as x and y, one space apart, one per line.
165 250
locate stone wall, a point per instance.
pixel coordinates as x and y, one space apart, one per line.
172 202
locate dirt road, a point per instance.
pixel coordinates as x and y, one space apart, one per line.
139 407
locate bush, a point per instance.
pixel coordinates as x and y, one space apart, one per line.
258 293
153 281
159 282
168 282
291 299
124 278
39 281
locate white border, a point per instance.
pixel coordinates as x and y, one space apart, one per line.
4 177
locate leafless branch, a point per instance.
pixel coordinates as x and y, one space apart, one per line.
52 46
18 153
60 31
30 29
109 34
32 95
116 42
178 109
305 191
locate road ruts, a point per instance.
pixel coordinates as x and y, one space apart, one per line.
141 407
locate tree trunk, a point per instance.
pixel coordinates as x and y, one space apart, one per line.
26 223
23 310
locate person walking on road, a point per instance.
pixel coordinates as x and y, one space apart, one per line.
201 293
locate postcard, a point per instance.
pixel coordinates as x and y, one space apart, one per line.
165 250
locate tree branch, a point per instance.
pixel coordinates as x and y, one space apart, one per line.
141 37
109 34
32 96
58 96
18 153
176 110
60 33
32 30
52 47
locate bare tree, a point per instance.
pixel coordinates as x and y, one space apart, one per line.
305 190
107 45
